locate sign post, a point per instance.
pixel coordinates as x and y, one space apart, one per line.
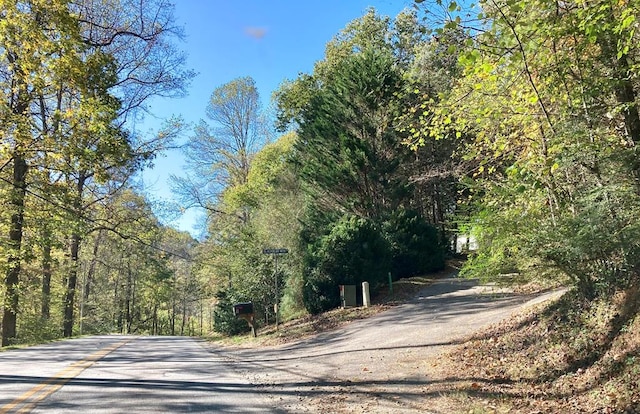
276 253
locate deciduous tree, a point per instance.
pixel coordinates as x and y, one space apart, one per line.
553 145
220 154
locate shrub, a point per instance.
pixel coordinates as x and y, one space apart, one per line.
415 245
224 321
353 252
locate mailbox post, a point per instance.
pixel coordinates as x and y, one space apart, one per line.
276 253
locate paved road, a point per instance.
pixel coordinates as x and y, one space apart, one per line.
372 365
116 374
380 364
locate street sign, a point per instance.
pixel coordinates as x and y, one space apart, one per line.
275 251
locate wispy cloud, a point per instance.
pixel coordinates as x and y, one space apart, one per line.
255 32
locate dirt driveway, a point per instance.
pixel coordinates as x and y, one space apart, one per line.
379 364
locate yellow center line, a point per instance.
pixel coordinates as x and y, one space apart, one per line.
53 384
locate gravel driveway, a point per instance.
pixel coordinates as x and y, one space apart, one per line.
376 365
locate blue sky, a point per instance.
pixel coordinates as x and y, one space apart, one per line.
269 40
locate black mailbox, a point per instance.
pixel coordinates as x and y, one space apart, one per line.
245 308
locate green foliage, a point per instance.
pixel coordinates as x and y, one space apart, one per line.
416 246
292 303
272 202
553 185
320 293
372 31
348 153
600 241
65 100
253 273
221 151
354 251
352 162
224 321
276 220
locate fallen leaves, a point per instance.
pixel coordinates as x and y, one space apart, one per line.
562 358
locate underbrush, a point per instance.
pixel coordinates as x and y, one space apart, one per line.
572 356
299 328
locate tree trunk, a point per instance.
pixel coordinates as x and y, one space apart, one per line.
116 302
10 305
154 326
127 309
184 313
74 249
46 276
132 310
625 94
201 317
92 266
173 309
72 280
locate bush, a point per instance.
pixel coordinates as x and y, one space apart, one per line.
415 245
224 321
320 292
292 302
353 252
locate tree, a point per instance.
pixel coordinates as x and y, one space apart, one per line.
138 276
221 158
40 49
436 168
224 320
277 217
232 257
220 155
140 36
554 185
348 149
353 252
415 245
60 82
371 31
145 63
300 102
351 155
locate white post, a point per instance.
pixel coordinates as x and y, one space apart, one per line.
366 300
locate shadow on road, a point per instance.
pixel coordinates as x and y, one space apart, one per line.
391 390
411 325
261 359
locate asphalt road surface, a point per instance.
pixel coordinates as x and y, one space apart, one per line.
380 364
375 365
117 374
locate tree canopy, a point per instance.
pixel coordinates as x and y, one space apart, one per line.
67 86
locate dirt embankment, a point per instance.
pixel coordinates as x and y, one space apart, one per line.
568 356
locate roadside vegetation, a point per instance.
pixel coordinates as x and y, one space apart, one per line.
306 326
80 249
